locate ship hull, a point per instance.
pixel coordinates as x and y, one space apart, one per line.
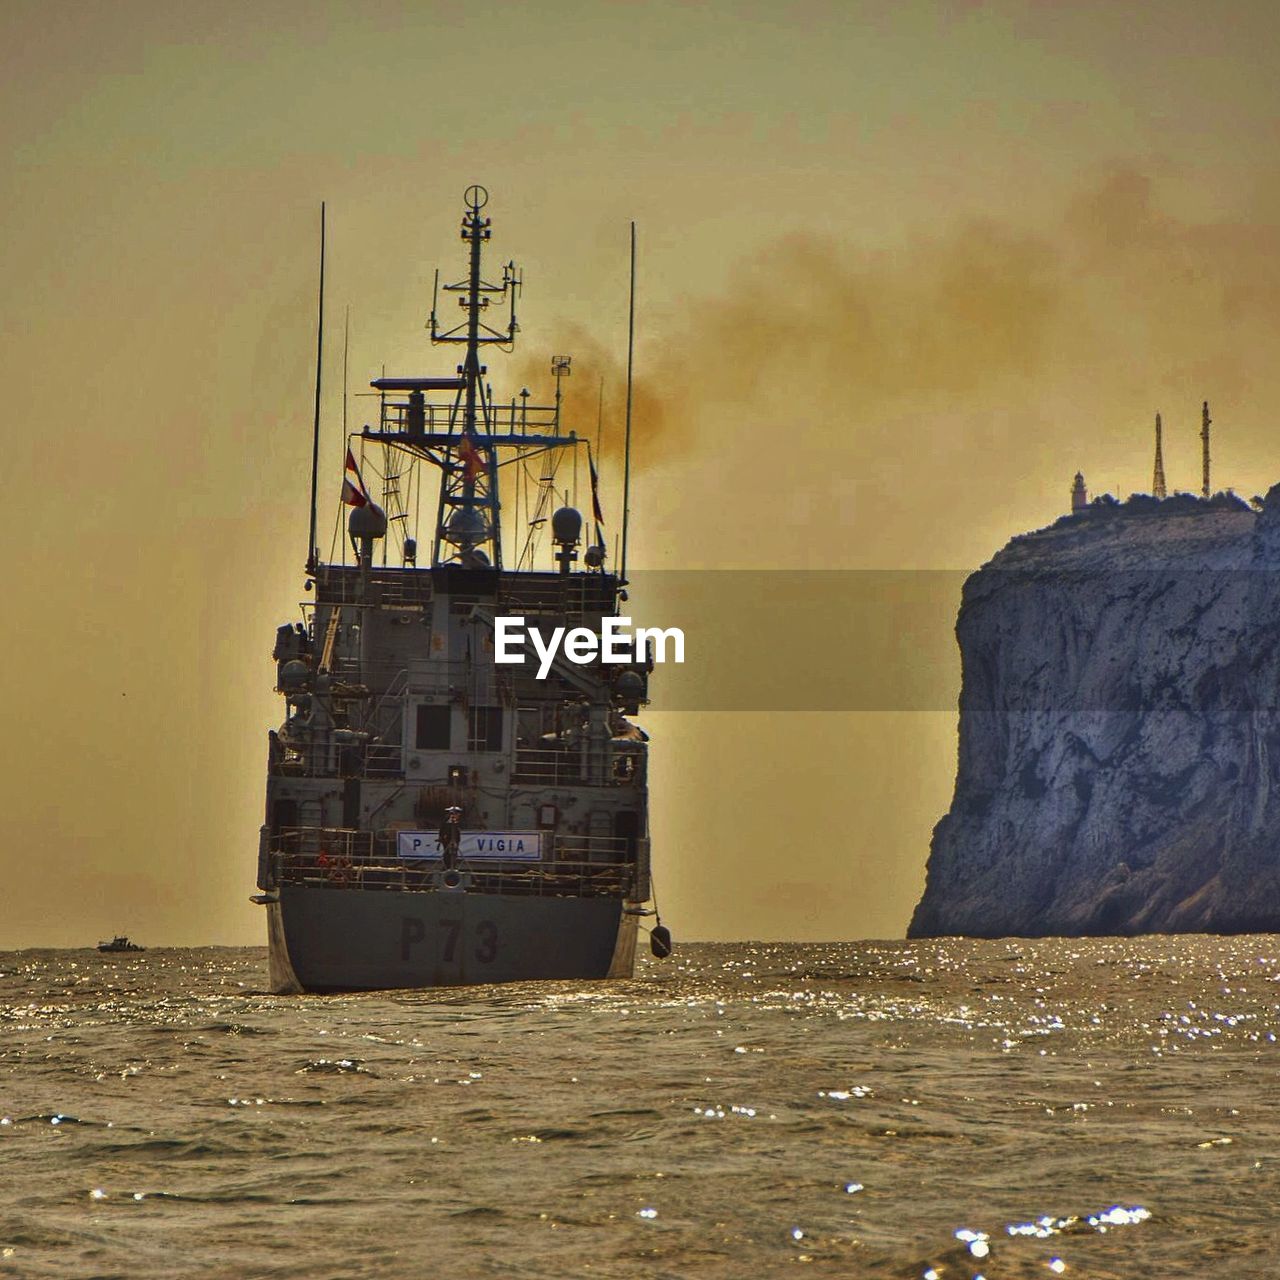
325 939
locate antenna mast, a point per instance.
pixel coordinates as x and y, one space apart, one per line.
626 456
560 368
468 513
312 550
463 439
1158 489
1205 420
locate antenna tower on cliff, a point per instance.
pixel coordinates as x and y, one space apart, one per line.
1158 489
1205 420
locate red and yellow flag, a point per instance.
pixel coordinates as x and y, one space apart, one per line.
354 494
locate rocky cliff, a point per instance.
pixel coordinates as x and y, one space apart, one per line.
1119 767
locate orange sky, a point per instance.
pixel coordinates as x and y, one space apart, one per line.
904 269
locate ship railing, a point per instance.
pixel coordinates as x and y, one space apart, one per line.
387 681
383 760
548 765
503 419
347 842
624 766
438 675
338 584
405 589
432 674
592 849
328 760
551 766
585 866
575 596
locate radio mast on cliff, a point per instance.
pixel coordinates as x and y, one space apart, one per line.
1205 420
1158 489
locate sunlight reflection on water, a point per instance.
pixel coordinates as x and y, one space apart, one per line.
952 1108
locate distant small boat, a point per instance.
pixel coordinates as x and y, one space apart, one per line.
120 943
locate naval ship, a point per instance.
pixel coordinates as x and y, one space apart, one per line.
434 817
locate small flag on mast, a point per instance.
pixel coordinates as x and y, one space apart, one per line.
595 498
595 489
354 494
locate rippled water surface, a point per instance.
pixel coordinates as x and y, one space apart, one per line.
1100 1108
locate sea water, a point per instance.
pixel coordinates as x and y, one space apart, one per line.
1099 1108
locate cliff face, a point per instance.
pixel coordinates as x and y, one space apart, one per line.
1119 766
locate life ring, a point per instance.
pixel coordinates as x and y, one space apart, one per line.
340 872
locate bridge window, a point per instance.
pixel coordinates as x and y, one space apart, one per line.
433 727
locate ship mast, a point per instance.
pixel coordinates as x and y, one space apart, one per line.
464 438
468 518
